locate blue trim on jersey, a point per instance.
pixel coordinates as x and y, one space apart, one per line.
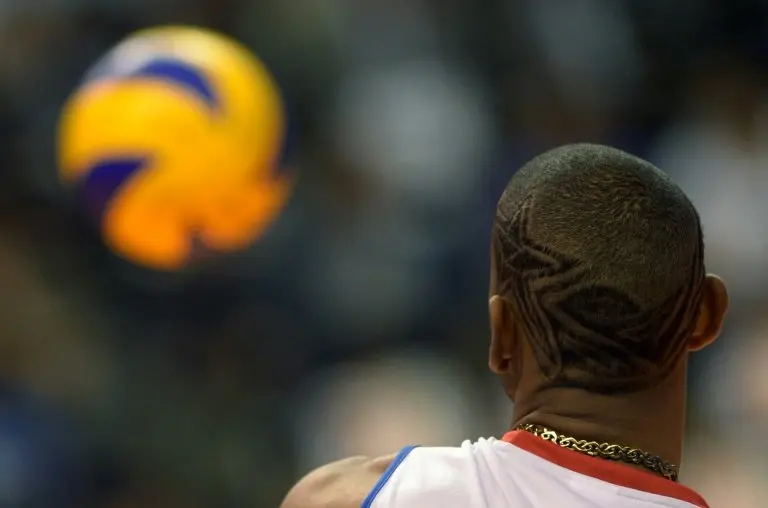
384 478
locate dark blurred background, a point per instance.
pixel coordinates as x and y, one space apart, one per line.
359 324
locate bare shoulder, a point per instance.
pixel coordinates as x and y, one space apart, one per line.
342 484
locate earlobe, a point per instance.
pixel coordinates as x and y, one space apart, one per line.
714 305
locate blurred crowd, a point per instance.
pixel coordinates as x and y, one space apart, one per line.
358 325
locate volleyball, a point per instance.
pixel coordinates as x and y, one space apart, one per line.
174 141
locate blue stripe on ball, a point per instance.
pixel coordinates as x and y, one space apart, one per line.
181 74
102 181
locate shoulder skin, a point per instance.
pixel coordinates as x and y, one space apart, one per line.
341 484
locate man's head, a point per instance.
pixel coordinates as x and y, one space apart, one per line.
598 273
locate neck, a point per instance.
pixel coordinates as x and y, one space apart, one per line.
652 420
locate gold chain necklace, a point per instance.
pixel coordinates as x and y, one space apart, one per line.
604 450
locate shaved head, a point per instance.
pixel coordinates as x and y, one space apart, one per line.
600 256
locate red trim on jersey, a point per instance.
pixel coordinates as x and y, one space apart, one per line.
608 471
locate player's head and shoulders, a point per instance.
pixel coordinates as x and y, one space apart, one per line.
598 295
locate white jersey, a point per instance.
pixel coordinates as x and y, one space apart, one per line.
520 471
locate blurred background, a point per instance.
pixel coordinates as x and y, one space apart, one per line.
359 324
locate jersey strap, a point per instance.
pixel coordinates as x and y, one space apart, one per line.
384 478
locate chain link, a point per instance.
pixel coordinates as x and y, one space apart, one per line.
607 451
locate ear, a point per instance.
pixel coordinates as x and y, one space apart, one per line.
503 336
714 305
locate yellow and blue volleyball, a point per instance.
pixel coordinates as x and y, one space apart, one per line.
174 140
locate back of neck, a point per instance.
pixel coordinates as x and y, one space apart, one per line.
652 420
